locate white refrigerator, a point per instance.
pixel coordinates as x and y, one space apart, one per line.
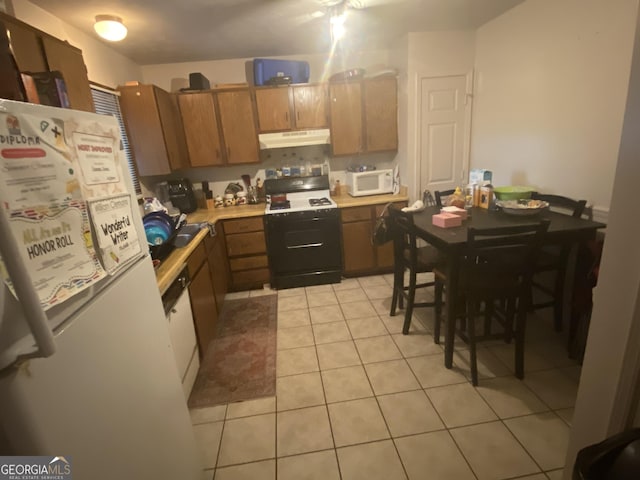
86 367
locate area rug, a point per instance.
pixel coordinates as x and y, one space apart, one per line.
240 362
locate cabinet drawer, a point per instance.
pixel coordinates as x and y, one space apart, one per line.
246 263
356 214
242 225
250 277
246 244
195 260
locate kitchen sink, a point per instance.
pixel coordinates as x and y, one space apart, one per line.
186 234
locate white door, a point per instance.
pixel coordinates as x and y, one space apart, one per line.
445 112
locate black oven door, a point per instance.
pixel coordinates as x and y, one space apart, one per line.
304 248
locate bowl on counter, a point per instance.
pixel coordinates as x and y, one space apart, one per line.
522 207
512 192
158 227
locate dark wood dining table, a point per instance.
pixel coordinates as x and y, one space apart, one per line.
563 230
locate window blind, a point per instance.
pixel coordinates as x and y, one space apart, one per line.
106 103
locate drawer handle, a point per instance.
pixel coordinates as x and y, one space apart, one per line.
306 245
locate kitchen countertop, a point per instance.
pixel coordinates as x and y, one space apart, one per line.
172 265
347 200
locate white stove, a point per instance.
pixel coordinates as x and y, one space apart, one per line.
301 202
299 194
302 229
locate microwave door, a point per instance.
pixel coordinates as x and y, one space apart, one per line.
368 183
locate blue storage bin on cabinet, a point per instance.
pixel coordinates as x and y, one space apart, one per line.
264 69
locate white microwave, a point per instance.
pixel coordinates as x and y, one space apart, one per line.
373 182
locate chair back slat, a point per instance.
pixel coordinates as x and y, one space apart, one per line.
405 238
441 196
503 251
575 208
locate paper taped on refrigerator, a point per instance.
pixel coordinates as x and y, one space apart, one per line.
52 162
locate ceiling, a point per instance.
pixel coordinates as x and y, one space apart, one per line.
166 31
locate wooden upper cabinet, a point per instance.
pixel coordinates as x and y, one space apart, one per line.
345 107
201 129
238 126
154 129
36 51
381 107
274 112
68 60
27 49
310 105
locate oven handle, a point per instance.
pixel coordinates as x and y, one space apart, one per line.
306 245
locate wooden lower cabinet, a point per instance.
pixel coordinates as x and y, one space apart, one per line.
247 253
359 255
384 253
203 300
218 267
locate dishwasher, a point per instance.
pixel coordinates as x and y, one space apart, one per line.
177 309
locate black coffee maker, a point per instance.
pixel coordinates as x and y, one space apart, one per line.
181 195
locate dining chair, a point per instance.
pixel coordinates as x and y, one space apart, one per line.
408 257
441 195
497 268
554 260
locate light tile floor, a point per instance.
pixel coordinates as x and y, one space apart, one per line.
357 400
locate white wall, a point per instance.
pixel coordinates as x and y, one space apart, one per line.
104 65
429 54
399 59
609 381
551 83
173 76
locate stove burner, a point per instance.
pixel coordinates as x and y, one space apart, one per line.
318 202
280 205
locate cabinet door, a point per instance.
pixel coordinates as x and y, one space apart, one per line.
201 130
384 253
345 106
144 129
68 60
238 127
273 109
26 46
310 104
358 253
219 267
203 305
381 114
172 129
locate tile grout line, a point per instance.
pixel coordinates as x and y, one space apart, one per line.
405 358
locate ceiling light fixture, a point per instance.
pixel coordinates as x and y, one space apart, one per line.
336 22
110 27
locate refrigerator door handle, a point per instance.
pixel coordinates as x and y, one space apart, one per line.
27 295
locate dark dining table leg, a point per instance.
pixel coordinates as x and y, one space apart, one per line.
451 291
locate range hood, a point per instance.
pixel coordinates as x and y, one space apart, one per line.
298 138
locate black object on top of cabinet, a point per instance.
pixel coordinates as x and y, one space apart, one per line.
181 195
